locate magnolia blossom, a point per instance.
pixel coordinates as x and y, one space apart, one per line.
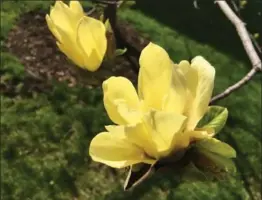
161 118
79 37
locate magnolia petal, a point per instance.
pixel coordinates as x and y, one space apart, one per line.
184 66
180 141
61 16
201 92
117 130
52 28
154 75
217 146
191 76
109 148
198 135
91 38
92 62
121 100
139 135
164 127
69 48
76 8
176 99
191 79
71 54
183 139
62 24
209 131
130 116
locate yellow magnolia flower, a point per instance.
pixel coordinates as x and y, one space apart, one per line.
161 119
81 38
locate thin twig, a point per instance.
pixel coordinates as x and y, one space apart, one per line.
256 44
242 32
248 46
237 10
34 75
234 87
107 2
90 12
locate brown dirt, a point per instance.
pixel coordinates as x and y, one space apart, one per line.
31 41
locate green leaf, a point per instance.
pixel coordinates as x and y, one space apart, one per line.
219 163
191 173
108 26
215 118
137 174
243 4
216 146
120 52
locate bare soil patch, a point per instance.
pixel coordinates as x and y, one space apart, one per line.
32 42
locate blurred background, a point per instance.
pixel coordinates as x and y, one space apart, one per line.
49 115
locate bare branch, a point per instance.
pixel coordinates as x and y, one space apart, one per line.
237 10
243 34
248 46
90 12
234 87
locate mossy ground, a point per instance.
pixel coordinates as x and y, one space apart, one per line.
45 134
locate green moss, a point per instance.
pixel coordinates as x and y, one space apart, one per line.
45 137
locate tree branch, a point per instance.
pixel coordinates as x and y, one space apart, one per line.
248 46
234 87
110 13
242 32
237 10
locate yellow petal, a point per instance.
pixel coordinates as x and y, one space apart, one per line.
113 150
209 131
176 99
164 127
115 128
121 100
184 66
52 28
62 22
91 38
61 16
76 8
142 137
191 78
218 147
69 47
117 131
201 91
128 114
154 75
198 135
183 139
